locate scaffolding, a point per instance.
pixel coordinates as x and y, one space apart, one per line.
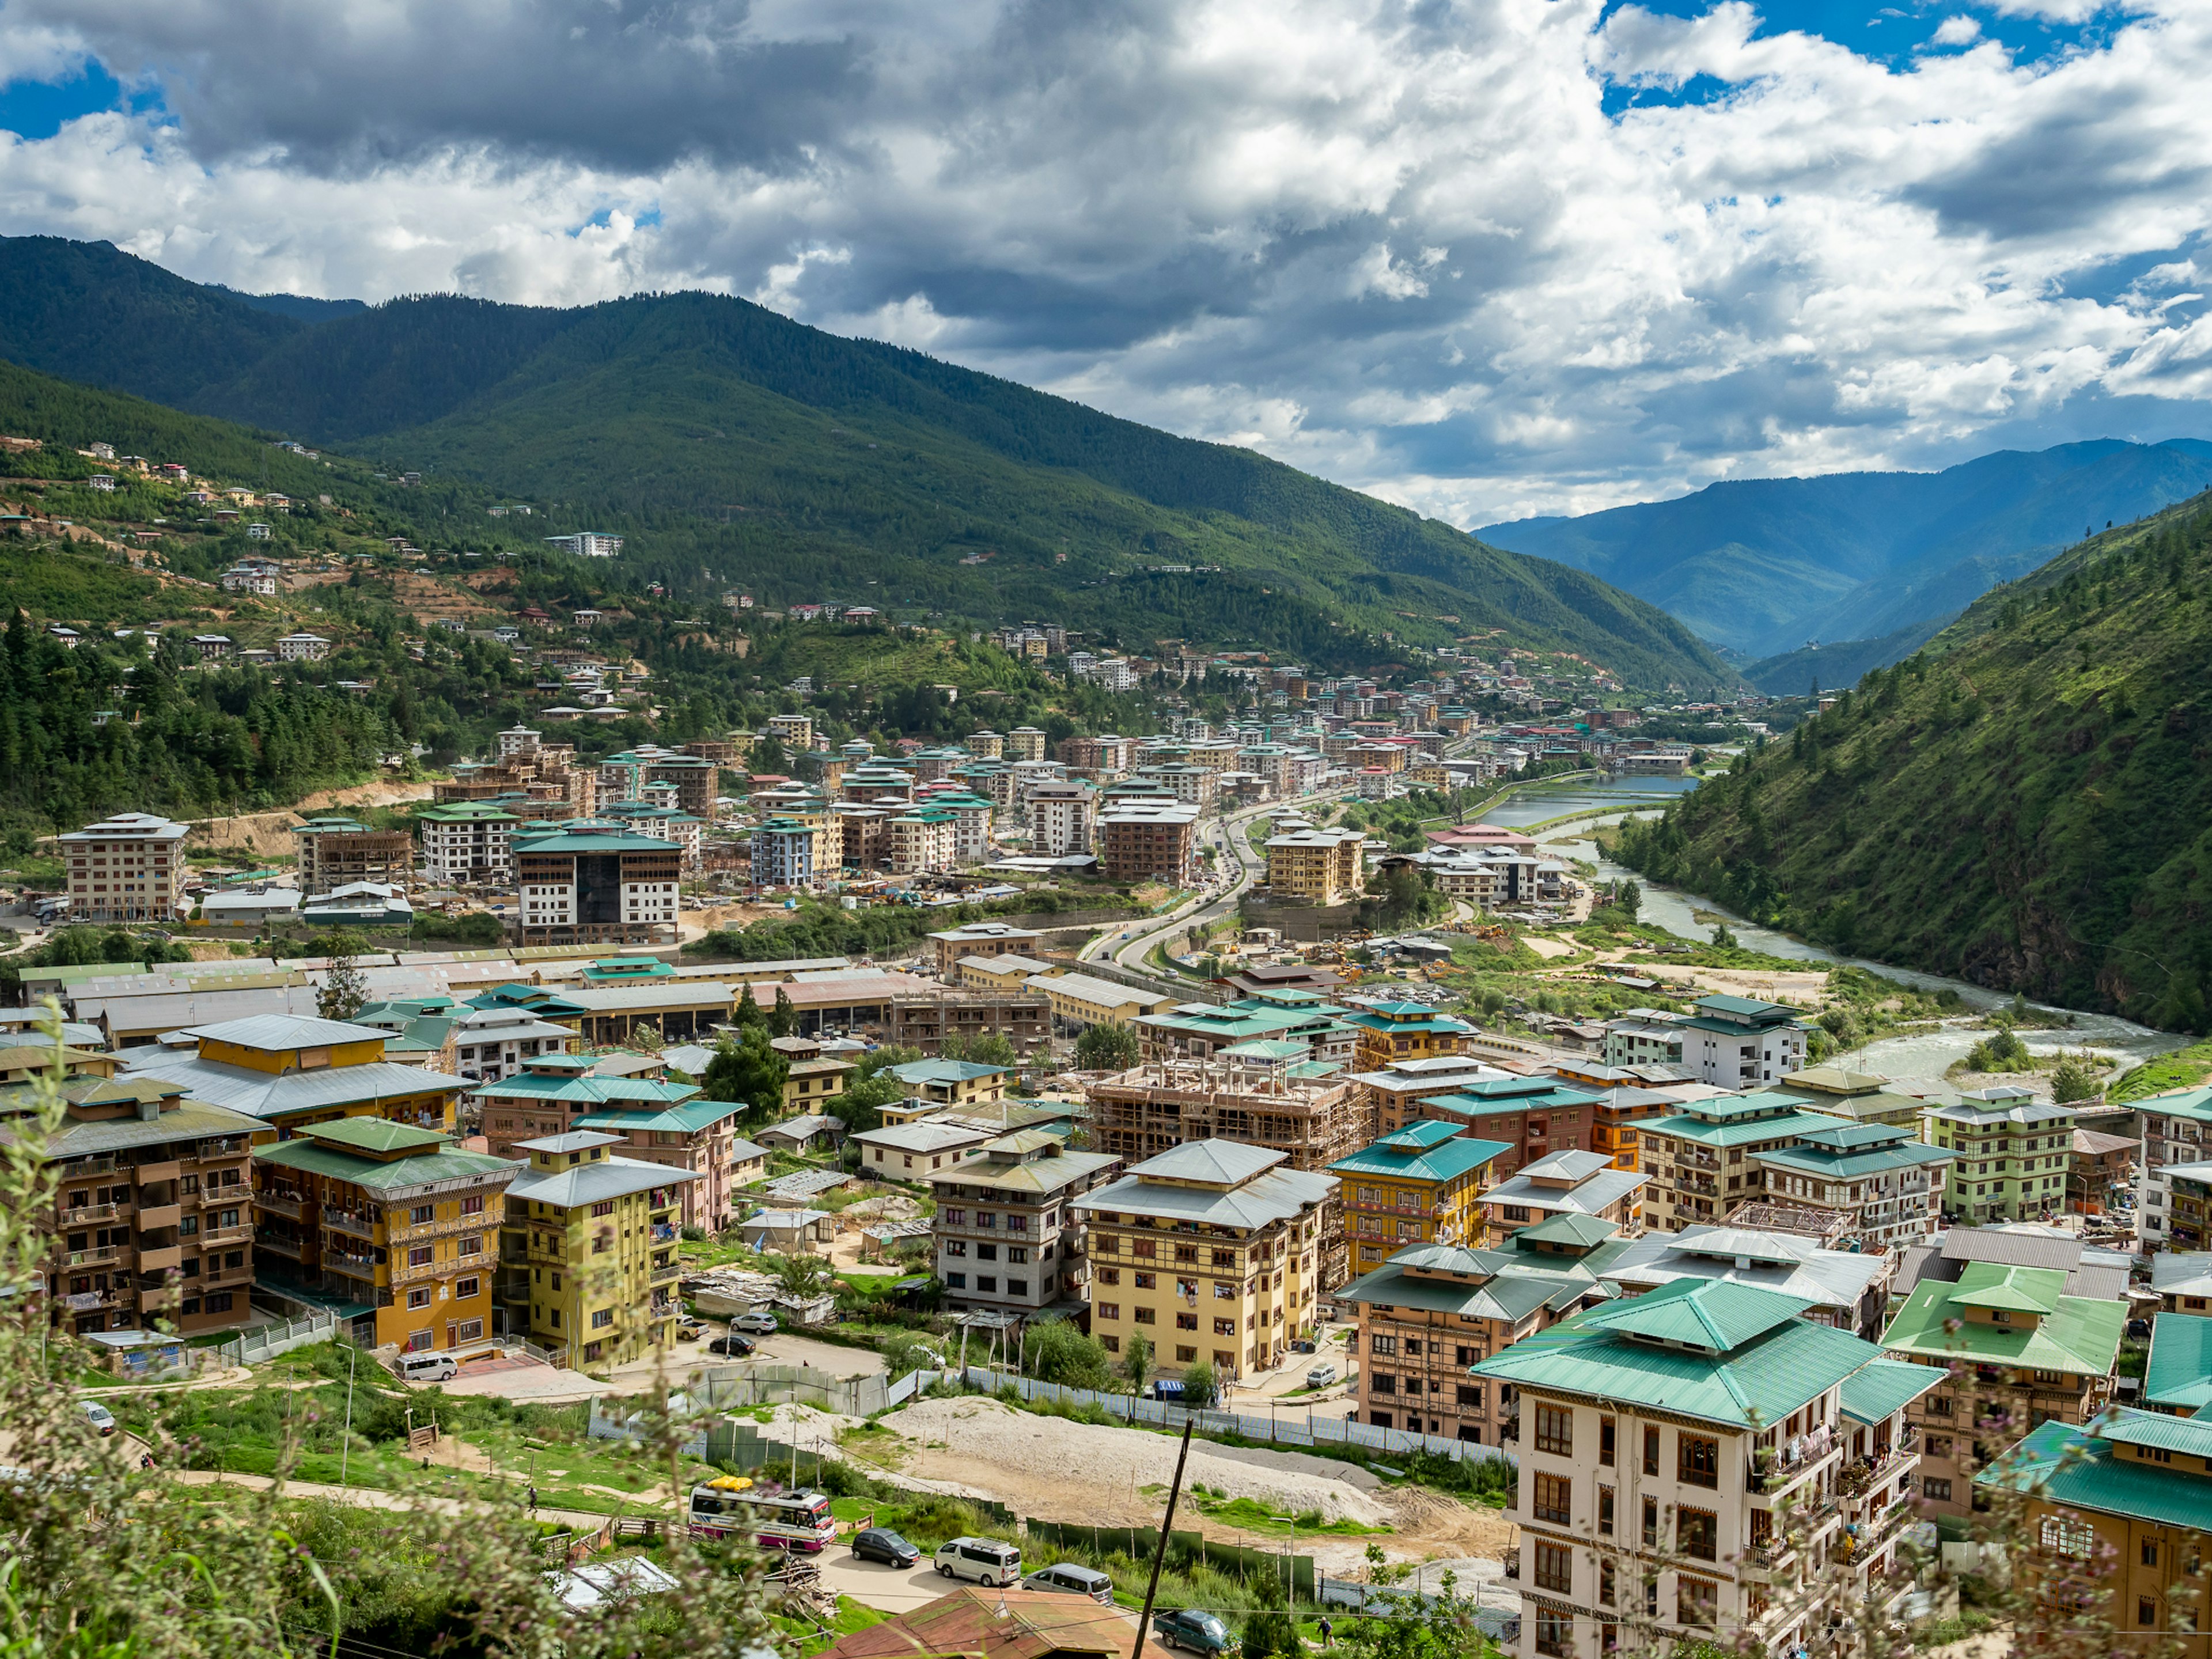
1140 1114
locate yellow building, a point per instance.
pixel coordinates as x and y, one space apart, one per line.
294 1071
1080 999
951 1082
811 1084
398 1226
1212 1252
1328 866
1416 1186
1010 972
587 1257
1394 1032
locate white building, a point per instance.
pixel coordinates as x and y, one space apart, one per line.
587 545
303 648
127 868
1061 813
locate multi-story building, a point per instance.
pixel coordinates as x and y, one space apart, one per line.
1008 1234
127 868
2009 1347
1416 1186
1534 1116
1261 1100
2011 1154
1395 1031
1861 1097
1213 1252
1740 1043
154 1218
2101 1177
1148 841
468 842
1847 1289
783 852
1432 1310
290 1071
924 839
1198 1029
1026 743
1565 1182
953 1082
980 938
1060 816
588 1263
403 1221
2118 1509
1325 866
1703 1159
1078 1001
2176 1126
925 1019
338 853
593 886
1392 1094
792 730
1689 1460
1887 1185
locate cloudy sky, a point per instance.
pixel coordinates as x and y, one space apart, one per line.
1484 257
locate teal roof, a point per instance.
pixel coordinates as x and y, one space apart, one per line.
690 1118
1727 1108
1715 1314
1507 1284
2076 1334
1376 1020
2179 1102
1466 1101
1750 1008
447 1162
1568 1227
917 1071
1769 1374
594 1091
1404 1158
589 841
1739 1132
1827 1160
2178 1374
2075 1468
1885 1387
1267 1048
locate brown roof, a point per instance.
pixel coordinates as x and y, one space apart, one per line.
1038 1624
2097 1145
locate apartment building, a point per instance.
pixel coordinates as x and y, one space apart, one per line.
1689 1461
1322 866
1197 1030
1703 1159
468 843
582 886
2176 1126
1416 1186
1259 1100
127 868
403 1221
2010 1154
1534 1116
791 730
980 938
1741 1042
1847 1289
1148 841
1078 1001
1430 1311
1007 1235
2008 1346
154 1218
588 1263
783 851
1860 1097
336 852
1061 818
924 839
290 1072
1214 1252
953 1082
1569 1182
2125 1502
1886 1185
1395 1031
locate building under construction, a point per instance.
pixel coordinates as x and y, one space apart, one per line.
1140 1114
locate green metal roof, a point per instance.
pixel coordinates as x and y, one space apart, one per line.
1446 1160
418 1170
1820 1161
1885 1387
2178 1374
1467 1103
1712 1314
2075 1468
1740 1133
373 1134
2180 1103
2077 1335
688 1118
1568 1227
594 1091
1759 1382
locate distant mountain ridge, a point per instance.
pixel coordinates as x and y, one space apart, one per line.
1767 565
735 445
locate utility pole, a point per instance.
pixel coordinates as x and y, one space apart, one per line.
1160 1551
345 1440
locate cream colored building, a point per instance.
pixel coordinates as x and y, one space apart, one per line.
1328 866
127 868
1213 1252
1081 1000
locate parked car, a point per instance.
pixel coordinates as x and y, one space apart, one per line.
1072 1580
1193 1629
98 1416
689 1328
1320 1376
984 1560
732 1344
756 1320
881 1544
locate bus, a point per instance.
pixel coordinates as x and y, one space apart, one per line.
731 1507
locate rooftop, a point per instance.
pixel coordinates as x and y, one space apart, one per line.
2075 1468
2177 1377
2061 1332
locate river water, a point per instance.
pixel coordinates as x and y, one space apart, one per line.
1919 1060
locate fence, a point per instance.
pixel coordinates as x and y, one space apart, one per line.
1272 1430
1182 990
254 1346
727 1387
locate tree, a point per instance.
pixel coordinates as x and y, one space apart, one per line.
749 1011
2076 1078
1058 1352
745 1069
1137 1362
344 991
1106 1049
1628 898
985 1048
784 1019
801 1276
1200 1387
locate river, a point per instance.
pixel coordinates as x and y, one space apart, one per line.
1920 1060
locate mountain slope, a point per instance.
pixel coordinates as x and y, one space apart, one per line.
731 445
2027 803
1765 564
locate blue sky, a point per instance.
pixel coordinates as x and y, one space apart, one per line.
1485 256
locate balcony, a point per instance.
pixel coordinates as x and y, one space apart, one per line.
287 1244
89 1215
158 1258
512 1292
281 1204
153 1217
356 1266
349 1221
83 1167
220 1277
665 1233
99 1256
231 1234
166 1170
222 1147
668 1273
157 1299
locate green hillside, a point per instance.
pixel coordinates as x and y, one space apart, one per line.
2027 803
732 446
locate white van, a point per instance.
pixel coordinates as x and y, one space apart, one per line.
429 1367
985 1560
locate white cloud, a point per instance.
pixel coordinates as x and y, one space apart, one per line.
1401 243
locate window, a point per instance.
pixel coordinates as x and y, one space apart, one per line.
472 1204
417 1298
1382 1345
1382 1382
602 1317
1939 1405
1697 1601
2150 1553
1935 1489
471 1245
1607 1589
465 1288
1468 1397
959 1247
605 1206
1552 1499
1650 1451
1554 1632
1142 1315
419 1255
1605 1511
1697 1461
1185 1355
1651 1523
1698 1533
1554 1567
959 1282
218 1302
1555 1429
1605 1439
1186 1322
422 1215
2145 1610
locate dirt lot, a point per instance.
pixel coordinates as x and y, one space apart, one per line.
1057 1470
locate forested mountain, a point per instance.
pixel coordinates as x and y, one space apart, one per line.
1767 565
2027 803
730 445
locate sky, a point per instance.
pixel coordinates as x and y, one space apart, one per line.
1485 258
